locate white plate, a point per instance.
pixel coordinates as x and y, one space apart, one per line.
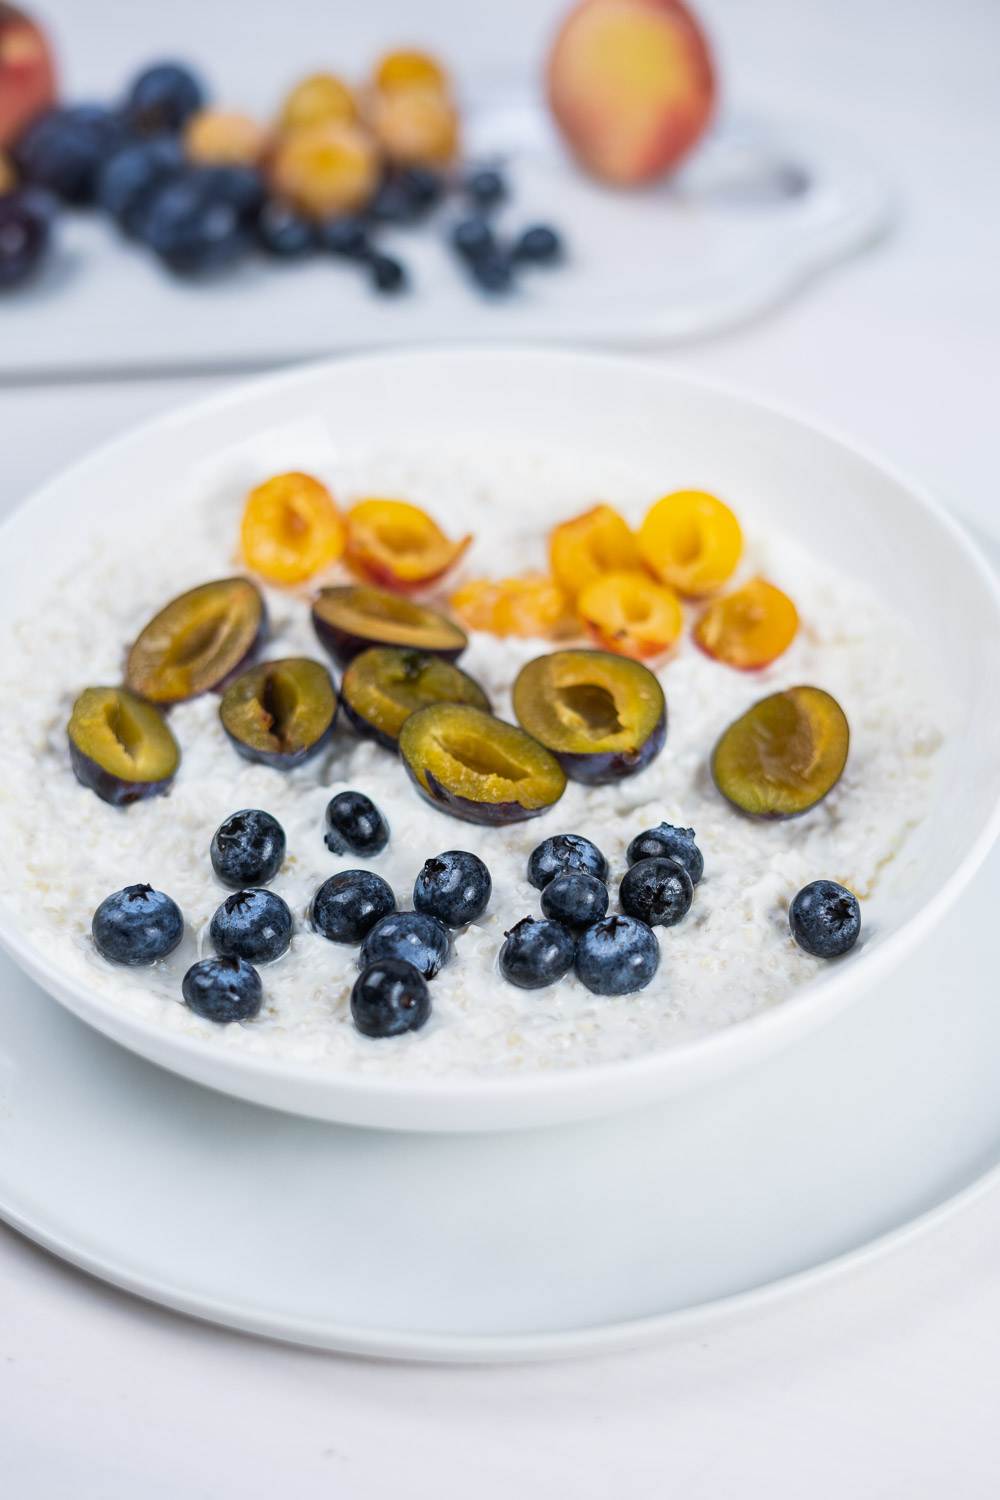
759 210
522 1245
795 478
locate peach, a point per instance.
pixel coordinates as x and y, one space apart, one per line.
587 546
750 628
291 529
532 607
27 73
632 86
630 614
318 100
416 127
691 541
326 169
224 138
398 546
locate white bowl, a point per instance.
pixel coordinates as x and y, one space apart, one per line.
836 501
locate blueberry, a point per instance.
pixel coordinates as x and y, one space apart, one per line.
193 227
64 150
248 848
405 197
617 956
130 179
538 246
657 891
346 236
137 926
492 271
455 887
485 188
243 187
354 825
575 898
283 233
565 851
536 953
825 919
387 274
667 842
162 99
25 233
473 238
223 989
253 924
348 905
390 997
421 940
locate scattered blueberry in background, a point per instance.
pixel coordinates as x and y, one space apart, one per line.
255 925
617 956
454 886
347 906
537 246
248 848
484 187
473 238
162 99
137 925
223 989
25 234
492 271
667 842
200 222
389 997
535 953
565 851
386 273
657 891
283 233
346 236
419 939
63 151
575 898
354 825
130 178
825 919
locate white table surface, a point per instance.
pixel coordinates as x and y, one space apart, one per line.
887 1383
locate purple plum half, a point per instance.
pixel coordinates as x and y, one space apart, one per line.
603 717
478 768
281 712
351 617
120 747
198 642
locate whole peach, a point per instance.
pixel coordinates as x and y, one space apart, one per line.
27 74
631 85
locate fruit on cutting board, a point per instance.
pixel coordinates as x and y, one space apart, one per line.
631 86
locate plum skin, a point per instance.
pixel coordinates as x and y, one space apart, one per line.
111 788
598 767
489 814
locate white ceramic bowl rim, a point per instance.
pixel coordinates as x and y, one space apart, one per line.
802 1012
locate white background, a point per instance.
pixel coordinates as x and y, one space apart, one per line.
885 1385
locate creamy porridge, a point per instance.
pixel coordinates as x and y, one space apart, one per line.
64 849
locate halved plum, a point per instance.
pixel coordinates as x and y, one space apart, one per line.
352 617
120 746
476 767
197 642
385 684
784 754
602 716
281 712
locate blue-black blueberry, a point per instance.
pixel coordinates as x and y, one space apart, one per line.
252 924
565 851
389 997
347 906
667 842
825 919
536 953
354 825
657 891
137 925
454 886
617 956
248 848
575 898
420 940
223 989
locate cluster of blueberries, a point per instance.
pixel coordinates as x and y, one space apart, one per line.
130 162
401 950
